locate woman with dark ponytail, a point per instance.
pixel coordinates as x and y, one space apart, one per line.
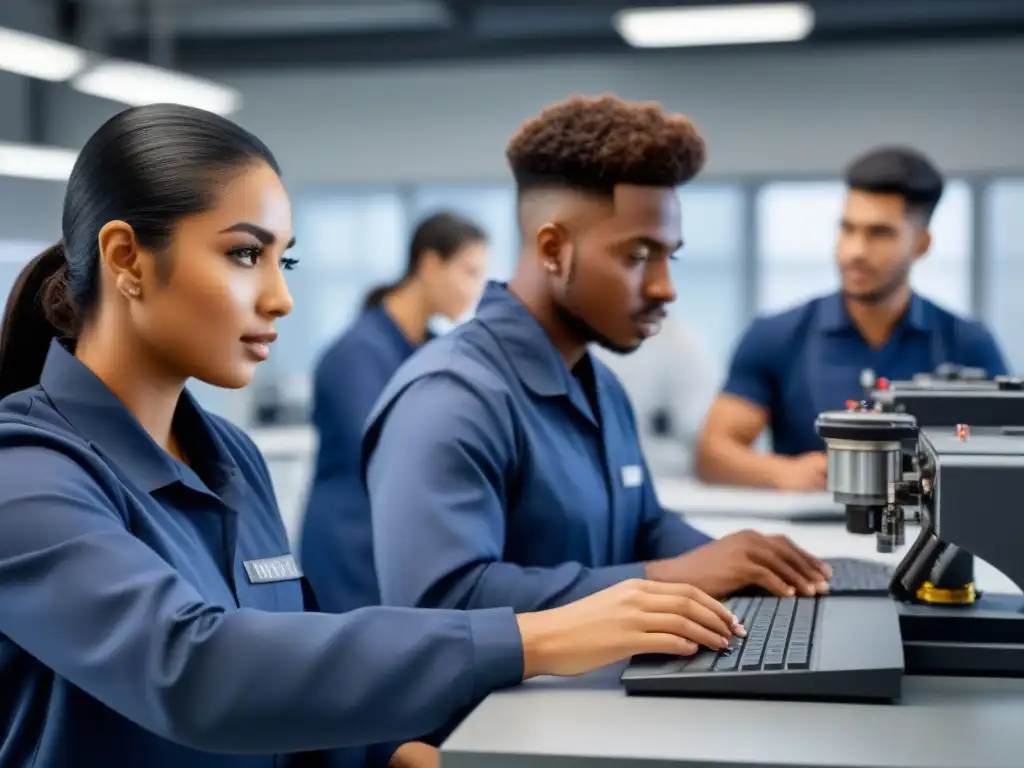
444 275
151 613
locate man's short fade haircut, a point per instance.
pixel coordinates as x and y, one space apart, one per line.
899 171
593 144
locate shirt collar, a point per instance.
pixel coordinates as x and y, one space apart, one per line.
833 317
536 361
96 414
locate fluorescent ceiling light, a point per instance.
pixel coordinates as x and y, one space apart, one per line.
138 84
40 57
28 161
714 25
378 16
128 82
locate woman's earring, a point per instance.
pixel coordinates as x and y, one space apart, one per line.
129 288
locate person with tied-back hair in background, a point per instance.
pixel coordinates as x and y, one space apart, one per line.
502 460
152 614
443 276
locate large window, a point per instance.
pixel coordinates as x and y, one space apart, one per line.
1004 307
944 275
709 272
796 235
346 244
796 225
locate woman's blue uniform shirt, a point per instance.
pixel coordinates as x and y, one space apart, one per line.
493 482
809 359
131 634
337 543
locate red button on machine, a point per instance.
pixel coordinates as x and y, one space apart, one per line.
882 384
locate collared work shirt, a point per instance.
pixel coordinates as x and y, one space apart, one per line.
495 480
134 633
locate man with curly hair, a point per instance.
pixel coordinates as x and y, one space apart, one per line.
502 460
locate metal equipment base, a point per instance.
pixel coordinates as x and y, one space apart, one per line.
984 639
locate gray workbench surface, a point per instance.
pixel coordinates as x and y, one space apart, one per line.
590 723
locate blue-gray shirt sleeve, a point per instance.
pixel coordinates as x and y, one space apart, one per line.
440 476
92 602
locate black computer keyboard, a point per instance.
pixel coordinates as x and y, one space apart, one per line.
846 648
779 634
851 576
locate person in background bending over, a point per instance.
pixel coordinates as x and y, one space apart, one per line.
152 614
671 382
445 274
502 460
789 367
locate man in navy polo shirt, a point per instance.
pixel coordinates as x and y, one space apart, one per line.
791 366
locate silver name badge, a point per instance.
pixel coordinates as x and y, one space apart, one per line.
271 569
632 476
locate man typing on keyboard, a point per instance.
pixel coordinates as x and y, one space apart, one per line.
502 461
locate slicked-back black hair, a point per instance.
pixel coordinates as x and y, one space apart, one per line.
149 166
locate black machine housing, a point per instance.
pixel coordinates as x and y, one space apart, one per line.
969 502
962 467
950 396
938 402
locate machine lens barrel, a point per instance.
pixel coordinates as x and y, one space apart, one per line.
859 473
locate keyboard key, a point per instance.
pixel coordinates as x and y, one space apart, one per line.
798 658
740 607
702 662
757 634
799 653
774 656
852 576
727 662
779 635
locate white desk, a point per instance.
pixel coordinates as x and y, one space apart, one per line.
589 722
694 498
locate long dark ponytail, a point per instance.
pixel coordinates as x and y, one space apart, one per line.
148 166
442 233
38 309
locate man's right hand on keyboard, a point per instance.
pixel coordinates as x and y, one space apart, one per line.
746 559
